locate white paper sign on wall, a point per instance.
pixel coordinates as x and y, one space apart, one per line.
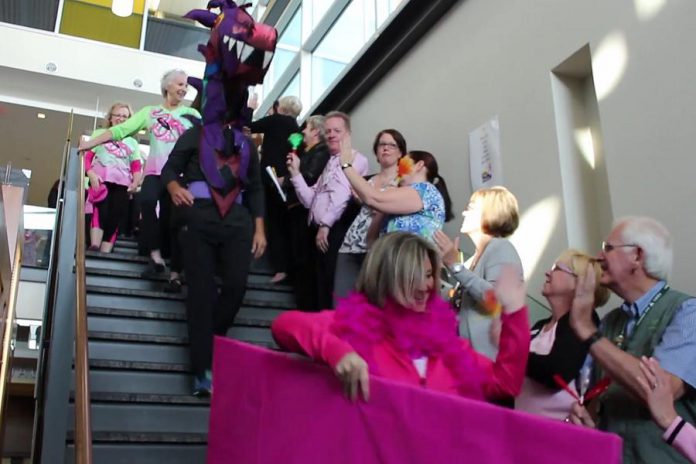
485 164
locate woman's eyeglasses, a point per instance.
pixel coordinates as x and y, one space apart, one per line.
387 145
563 268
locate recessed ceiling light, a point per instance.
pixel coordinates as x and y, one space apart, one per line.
41 115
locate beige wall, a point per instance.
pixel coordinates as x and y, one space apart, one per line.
489 57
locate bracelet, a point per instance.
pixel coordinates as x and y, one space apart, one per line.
594 338
676 431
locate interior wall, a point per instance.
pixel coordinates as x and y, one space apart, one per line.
494 57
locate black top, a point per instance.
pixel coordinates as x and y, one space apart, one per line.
184 160
312 164
276 129
566 357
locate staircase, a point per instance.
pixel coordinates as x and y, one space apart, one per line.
140 380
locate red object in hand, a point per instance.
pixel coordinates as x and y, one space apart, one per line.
592 393
491 304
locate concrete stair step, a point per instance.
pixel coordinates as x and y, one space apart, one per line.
134 279
147 418
131 451
251 298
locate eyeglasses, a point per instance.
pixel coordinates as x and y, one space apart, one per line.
124 116
563 268
387 145
607 247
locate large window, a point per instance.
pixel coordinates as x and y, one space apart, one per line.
287 48
326 35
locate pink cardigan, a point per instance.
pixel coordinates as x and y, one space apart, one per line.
685 440
311 334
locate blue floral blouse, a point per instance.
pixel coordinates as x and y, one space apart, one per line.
426 221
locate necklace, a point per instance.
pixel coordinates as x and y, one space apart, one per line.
621 340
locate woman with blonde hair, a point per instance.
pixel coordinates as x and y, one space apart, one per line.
491 216
114 170
555 350
396 326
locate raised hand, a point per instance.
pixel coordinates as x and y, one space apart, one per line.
346 149
583 305
293 164
449 250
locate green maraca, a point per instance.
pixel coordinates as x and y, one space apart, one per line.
295 141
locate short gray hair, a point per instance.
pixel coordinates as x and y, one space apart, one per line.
655 241
167 78
395 267
317 122
290 105
340 115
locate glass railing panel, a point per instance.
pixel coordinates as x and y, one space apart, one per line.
175 37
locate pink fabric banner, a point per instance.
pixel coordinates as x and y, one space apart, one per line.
270 407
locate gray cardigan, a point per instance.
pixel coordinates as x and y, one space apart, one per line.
472 323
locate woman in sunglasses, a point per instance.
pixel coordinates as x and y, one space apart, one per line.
555 351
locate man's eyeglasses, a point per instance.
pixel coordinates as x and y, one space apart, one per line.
607 247
563 268
387 145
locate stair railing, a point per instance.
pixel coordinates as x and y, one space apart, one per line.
83 427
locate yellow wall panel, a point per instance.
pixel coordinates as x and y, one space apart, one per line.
98 23
138 5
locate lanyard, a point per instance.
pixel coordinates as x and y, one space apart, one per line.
621 338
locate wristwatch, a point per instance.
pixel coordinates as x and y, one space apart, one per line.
346 165
456 268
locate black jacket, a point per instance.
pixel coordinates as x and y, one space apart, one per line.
184 160
276 129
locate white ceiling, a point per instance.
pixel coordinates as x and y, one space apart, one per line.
37 144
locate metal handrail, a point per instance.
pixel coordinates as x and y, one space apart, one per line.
83 423
51 289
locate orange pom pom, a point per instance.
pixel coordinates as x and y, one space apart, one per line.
405 166
491 304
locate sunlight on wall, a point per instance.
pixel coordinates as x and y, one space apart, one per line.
584 142
609 64
648 9
536 226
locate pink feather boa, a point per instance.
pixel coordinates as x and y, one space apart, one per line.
432 333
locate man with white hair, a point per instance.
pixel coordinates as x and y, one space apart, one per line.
654 320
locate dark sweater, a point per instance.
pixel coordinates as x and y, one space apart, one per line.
184 160
566 357
276 129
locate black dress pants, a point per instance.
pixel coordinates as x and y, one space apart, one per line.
154 230
302 257
276 226
113 209
213 243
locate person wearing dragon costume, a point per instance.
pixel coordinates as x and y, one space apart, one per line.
220 197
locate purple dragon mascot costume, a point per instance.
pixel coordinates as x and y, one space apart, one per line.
238 53
209 170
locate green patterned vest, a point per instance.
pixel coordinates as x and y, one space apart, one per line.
620 411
